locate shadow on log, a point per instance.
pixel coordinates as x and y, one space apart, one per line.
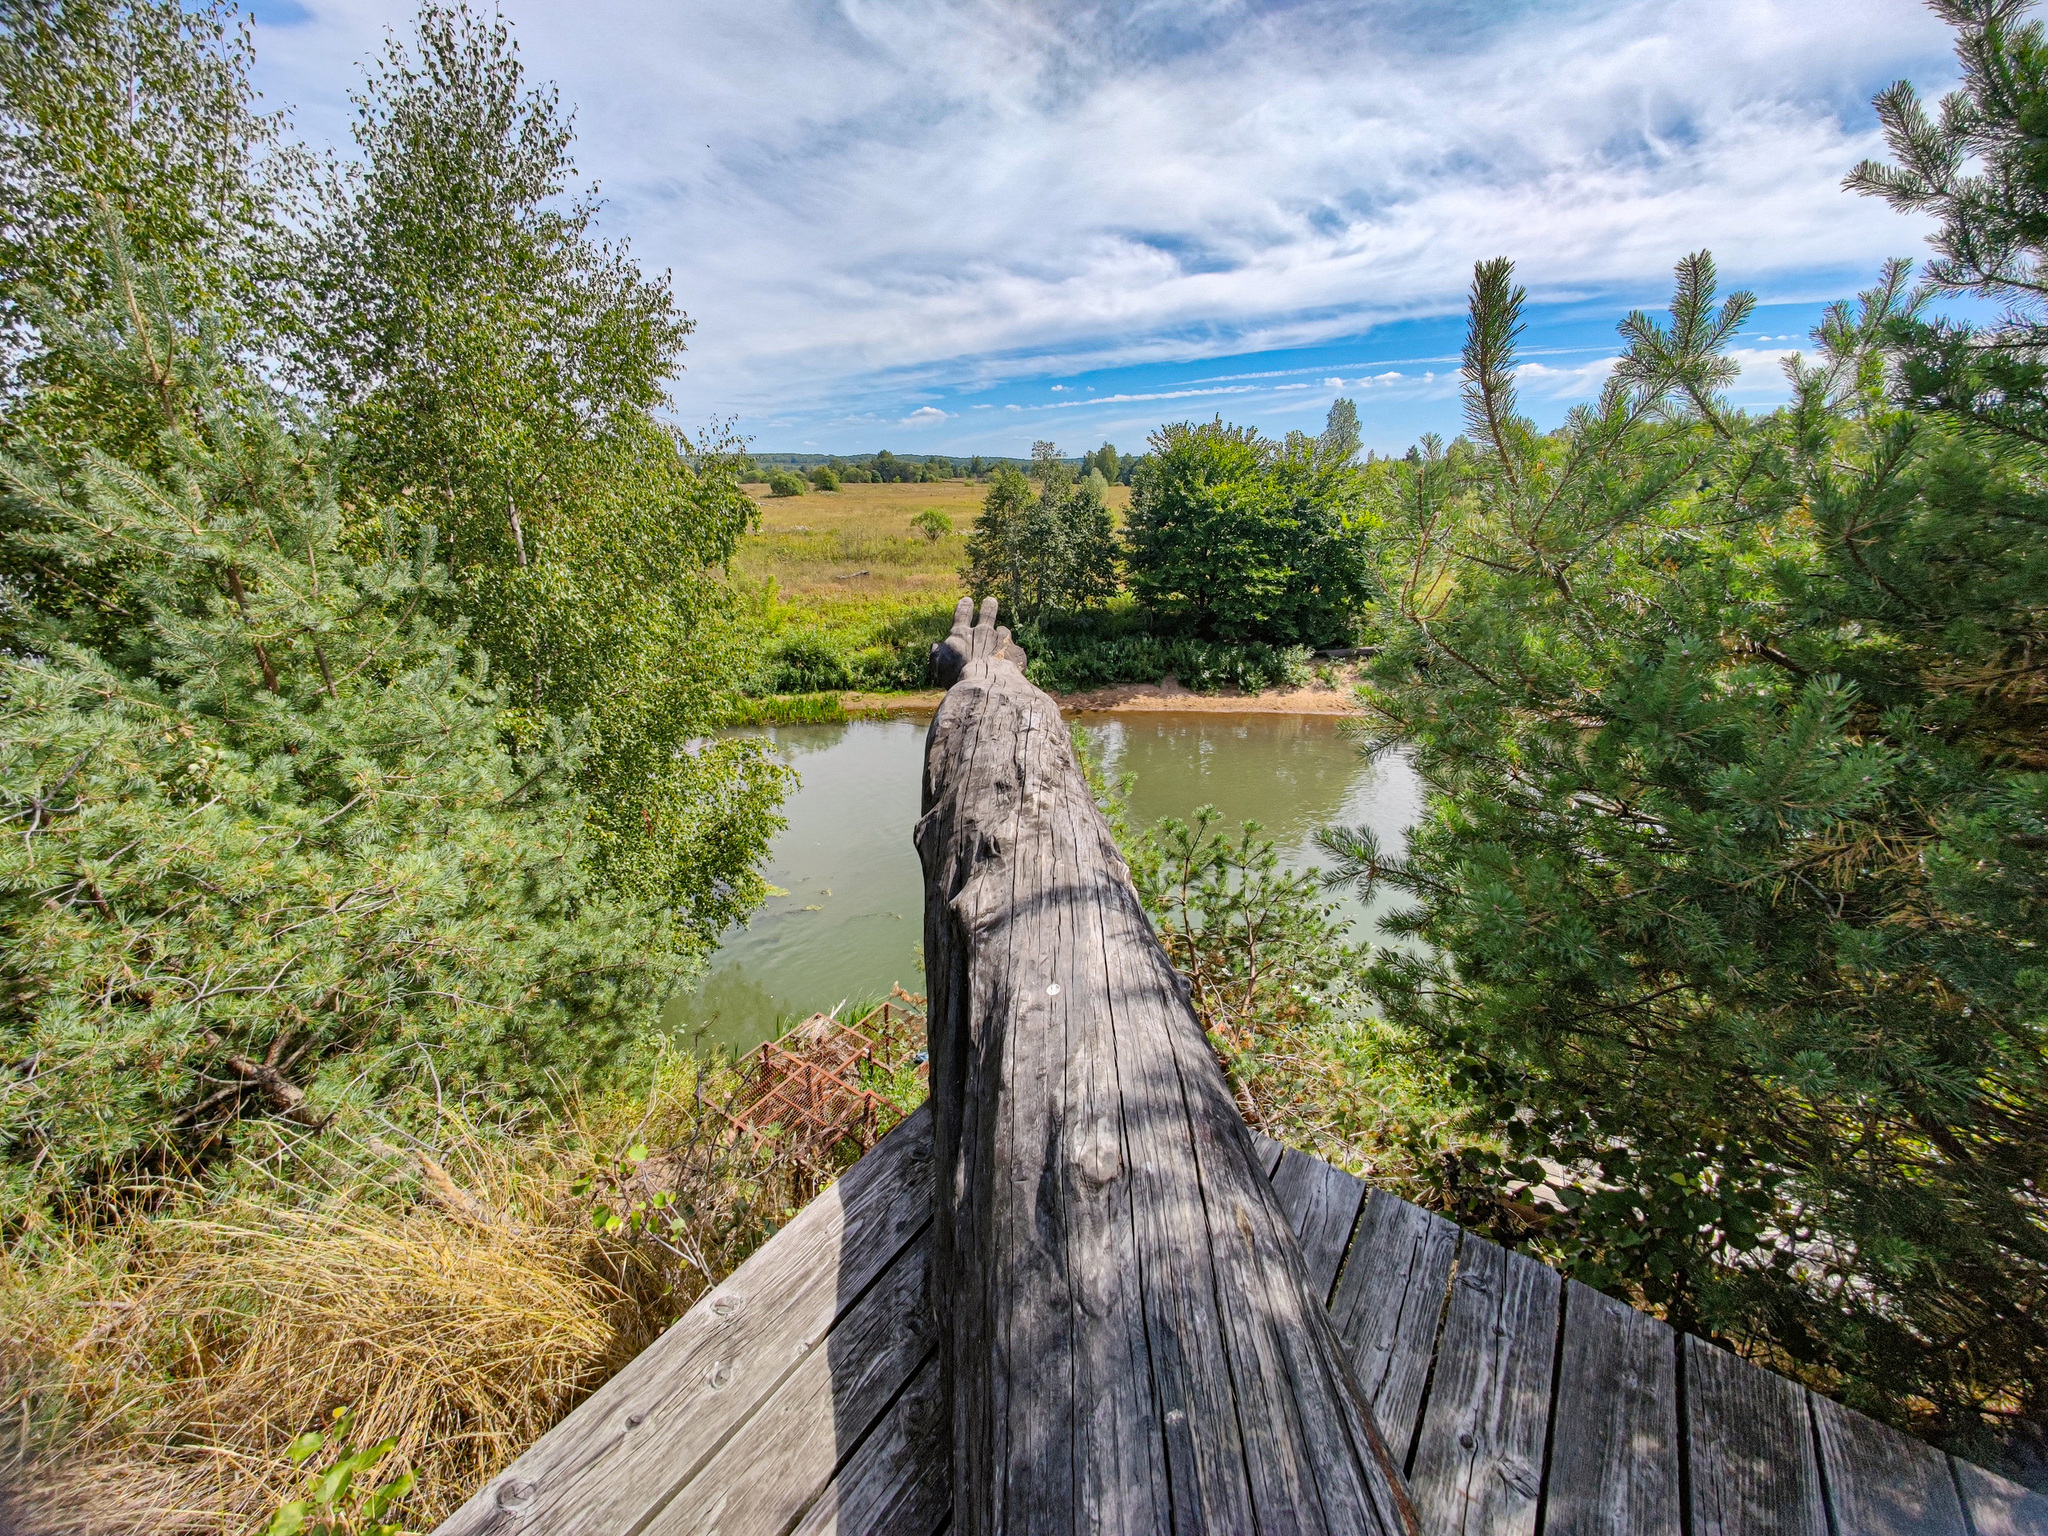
1128 1333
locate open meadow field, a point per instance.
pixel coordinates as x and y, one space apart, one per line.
857 543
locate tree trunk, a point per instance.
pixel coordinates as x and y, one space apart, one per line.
1129 1335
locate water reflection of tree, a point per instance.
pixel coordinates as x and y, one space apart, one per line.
1289 773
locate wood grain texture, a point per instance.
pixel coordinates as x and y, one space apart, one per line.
1749 1445
1321 1203
1998 1506
1479 1464
648 1431
1130 1338
1269 1151
900 1479
1614 1451
1880 1482
1389 1301
768 1474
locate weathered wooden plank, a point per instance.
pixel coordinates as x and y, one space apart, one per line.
1270 1151
1749 1449
1389 1301
1996 1505
1882 1483
1322 1204
768 1474
1131 1339
651 1428
900 1480
1614 1451
1479 1464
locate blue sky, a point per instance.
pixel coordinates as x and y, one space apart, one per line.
963 225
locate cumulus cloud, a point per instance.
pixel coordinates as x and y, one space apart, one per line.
864 199
925 416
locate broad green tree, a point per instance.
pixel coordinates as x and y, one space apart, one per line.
144 111
1049 550
143 115
499 371
1341 438
1248 539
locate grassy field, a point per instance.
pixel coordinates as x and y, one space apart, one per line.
856 595
854 545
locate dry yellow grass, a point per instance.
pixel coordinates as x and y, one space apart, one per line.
457 1295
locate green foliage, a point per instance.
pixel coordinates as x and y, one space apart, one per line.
807 662
825 478
1340 441
1068 657
933 524
1248 539
1103 461
783 482
141 111
499 372
788 709
1732 882
267 847
339 1500
1976 167
1055 550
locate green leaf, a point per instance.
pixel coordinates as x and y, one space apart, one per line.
390 1494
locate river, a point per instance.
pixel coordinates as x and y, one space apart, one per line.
851 922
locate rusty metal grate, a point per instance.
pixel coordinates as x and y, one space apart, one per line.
811 1086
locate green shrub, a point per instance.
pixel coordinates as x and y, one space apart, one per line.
1250 539
783 482
825 478
1072 659
932 523
788 709
806 663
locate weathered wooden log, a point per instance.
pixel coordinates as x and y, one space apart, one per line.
1129 1336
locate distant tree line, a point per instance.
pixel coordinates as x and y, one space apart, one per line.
886 468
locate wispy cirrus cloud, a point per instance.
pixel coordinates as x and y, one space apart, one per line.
865 202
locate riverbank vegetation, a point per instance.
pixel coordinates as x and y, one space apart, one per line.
1221 559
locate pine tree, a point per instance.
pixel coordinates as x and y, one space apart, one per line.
1732 884
267 851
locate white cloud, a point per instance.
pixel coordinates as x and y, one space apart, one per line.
1333 383
925 416
860 199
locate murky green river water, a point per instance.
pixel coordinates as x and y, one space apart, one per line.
852 923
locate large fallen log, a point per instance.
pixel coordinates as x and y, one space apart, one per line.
1129 1336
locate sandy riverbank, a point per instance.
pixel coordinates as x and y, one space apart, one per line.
1134 698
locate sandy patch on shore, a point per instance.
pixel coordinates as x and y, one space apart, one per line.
1136 698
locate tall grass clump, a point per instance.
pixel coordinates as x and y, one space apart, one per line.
460 1287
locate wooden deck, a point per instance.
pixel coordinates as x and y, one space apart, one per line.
802 1395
